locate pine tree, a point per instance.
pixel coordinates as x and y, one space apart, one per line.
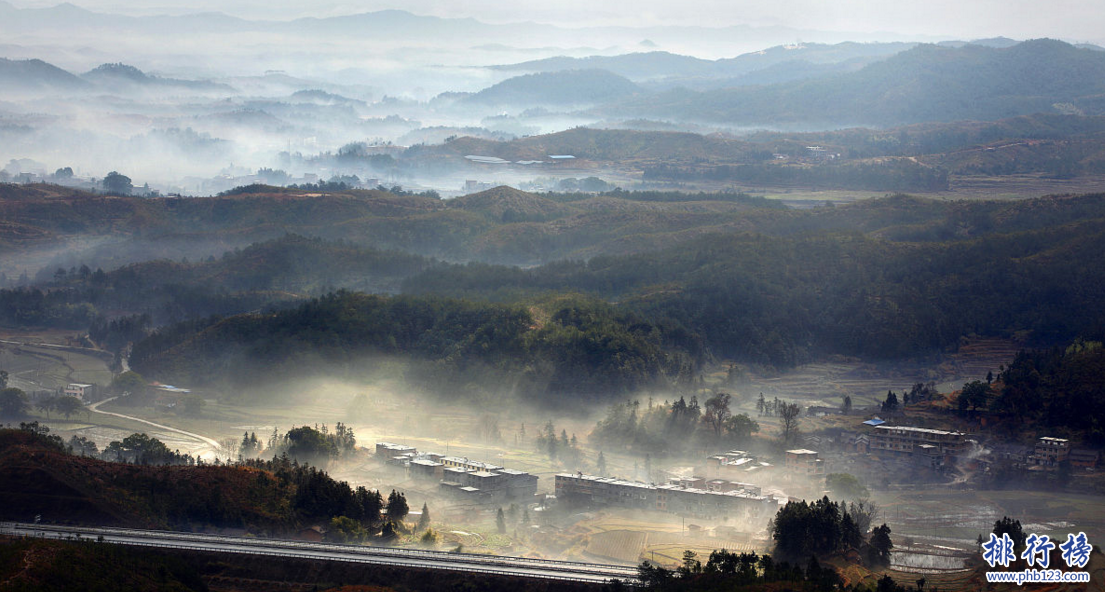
550 440
424 520
397 506
500 522
881 545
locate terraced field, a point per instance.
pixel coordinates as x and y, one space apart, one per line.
826 383
619 545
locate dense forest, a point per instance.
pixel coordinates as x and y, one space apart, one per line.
1060 387
676 427
275 273
883 175
783 300
583 349
674 282
805 534
38 475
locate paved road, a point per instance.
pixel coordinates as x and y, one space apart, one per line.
415 558
95 409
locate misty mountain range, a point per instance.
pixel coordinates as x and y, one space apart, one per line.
398 25
921 83
668 69
371 79
926 83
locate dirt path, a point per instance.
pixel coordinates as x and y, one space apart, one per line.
94 408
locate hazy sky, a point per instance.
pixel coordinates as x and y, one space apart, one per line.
1072 20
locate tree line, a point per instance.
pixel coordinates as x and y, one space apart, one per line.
888 174
675 427
585 350
155 487
1060 387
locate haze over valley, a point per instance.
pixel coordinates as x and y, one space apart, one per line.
550 296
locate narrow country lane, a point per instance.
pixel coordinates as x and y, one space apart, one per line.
94 408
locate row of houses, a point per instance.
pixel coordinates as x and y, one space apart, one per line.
941 446
689 497
935 448
464 478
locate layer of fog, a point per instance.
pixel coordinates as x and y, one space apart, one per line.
219 101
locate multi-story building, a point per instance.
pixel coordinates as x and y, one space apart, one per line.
388 450
804 462
723 486
470 465
590 490
489 486
1050 451
425 468
902 440
519 484
474 480
81 391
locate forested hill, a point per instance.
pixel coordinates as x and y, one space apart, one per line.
669 282
274 273
570 87
38 476
887 278
37 76
924 275
926 83
558 352
488 226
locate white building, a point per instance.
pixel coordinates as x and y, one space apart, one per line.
80 391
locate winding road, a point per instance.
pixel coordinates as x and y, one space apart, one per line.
94 408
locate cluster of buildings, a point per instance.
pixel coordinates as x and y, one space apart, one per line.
1047 453
936 449
923 446
466 479
735 465
694 496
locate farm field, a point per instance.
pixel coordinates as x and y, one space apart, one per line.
955 518
827 382
634 536
33 365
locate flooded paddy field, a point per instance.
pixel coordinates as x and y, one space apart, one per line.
33 365
954 519
828 382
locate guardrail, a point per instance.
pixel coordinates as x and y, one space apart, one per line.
468 562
